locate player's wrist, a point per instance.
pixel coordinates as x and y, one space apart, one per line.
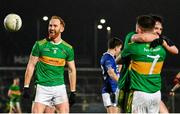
73 91
172 90
26 86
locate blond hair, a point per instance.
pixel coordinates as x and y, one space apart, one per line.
60 19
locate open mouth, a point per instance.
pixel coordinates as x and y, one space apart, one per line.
51 32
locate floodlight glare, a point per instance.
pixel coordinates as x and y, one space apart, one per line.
99 26
45 18
102 21
108 28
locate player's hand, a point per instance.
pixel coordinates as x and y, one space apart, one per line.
171 93
113 97
26 92
156 42
176 80
72 98
168 41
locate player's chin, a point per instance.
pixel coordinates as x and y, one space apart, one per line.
51 35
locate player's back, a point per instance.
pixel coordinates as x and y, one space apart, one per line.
146 65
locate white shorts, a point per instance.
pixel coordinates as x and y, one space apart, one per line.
146 102
51 95
107 100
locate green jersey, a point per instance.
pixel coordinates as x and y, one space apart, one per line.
52 59
128 39
123 81
145 67
15 96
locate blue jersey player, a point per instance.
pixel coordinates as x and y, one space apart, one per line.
110 75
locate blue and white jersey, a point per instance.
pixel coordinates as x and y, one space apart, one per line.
107 62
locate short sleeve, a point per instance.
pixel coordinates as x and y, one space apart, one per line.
108 64
70 56
35 50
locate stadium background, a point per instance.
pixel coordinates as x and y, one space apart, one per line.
81 16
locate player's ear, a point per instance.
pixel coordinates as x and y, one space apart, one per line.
61 28
116 48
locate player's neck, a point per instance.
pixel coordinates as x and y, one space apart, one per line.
111 51
57 39
56 42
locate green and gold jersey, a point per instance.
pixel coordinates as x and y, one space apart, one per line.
128 38
52 59
123 82
145 67
15 93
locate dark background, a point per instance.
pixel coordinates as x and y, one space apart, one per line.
80 17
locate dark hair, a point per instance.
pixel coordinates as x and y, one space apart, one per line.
157 18
146 22
113 42
60 19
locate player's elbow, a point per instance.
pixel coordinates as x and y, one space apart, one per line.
174 50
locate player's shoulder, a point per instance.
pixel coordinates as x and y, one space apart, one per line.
131 33
107 56
67 44
42 41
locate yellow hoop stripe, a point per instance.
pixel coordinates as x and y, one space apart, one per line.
144 67
52 61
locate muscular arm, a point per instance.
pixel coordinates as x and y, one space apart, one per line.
30 69
145 37
112 74
72 75
172 49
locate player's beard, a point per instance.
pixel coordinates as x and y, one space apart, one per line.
53 34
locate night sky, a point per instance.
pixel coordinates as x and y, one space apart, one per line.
80 16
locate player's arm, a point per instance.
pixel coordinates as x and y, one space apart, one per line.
118 59
112 74
72 82
9 92
176 81
17 92
145 37
72 75
30 69
172 49
169 45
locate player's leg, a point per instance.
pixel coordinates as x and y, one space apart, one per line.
42 99
50 109
107 102
38 107
163 108
11 107
110 107
61 99
18 107
63 107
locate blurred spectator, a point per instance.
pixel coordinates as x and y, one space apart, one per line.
14 94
